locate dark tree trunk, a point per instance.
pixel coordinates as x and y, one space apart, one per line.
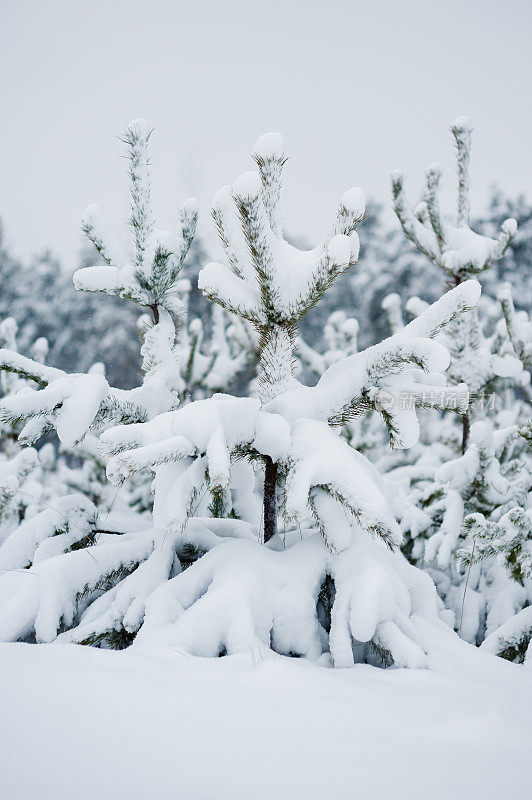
270 499
465 417
465 431
155 313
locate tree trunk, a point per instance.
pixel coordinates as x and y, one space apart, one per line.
270 499
155 313
465 417
465 431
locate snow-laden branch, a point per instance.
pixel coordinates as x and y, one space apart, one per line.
350 386
11 361
456 249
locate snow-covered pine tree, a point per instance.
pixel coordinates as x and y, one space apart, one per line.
150 275
318 472
331 583
492 478
460 253
34 504
73 404
24 473
35 499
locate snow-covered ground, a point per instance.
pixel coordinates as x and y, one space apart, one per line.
83 723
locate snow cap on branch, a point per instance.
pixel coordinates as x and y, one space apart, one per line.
273 282
456 249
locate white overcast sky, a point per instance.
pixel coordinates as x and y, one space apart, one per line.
358 87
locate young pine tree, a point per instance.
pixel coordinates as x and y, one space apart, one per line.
459 253
449 503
